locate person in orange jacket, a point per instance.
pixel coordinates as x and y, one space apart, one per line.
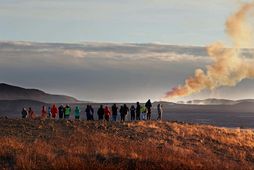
107 113
43 112
54 111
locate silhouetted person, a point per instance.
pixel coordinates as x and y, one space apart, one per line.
24 113
77 113
31 114
49 112
125 111
107 113
148 106
54 111
89 112
61 112
92 112
114 112
44 112
122 113
67 112
138 111
159 109
100 112
132 110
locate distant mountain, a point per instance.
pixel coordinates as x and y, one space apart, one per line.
9 92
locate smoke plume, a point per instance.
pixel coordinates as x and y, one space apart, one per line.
229 65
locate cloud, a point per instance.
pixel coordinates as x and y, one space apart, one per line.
18 43
75 53
95 71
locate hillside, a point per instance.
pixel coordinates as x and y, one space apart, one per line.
9 92
63 144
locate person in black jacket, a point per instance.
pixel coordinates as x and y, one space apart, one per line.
138 111
132 110
148 106
24 113
61 112
100 112
125 111
89 112
122 113
114 112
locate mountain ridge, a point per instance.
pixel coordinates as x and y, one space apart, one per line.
11 92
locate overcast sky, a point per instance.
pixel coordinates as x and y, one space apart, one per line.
88 67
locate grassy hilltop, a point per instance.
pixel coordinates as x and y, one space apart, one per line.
50 144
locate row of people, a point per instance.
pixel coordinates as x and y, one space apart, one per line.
137 113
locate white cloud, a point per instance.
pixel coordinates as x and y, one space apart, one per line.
75 53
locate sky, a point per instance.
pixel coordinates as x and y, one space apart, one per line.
114 50
182 22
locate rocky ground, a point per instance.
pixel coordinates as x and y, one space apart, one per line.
61 144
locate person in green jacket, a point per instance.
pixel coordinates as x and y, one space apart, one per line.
77 113
67 112
143 112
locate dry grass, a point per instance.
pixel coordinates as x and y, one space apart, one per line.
53 144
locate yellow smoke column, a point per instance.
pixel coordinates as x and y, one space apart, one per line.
229 66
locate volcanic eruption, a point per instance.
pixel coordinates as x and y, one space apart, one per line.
229 65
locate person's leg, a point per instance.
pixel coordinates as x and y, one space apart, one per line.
138 116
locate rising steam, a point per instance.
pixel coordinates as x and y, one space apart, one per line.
229 66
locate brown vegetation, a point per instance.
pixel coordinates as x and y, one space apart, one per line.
55 144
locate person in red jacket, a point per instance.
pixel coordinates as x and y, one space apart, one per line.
43 112
54 111
31 114
107 113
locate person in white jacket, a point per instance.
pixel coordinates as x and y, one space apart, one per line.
159 109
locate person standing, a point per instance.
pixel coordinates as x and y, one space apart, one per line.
114 112
125 111
54 111
61 111
77 113
89 112
100 112
148 106
49 112
143 112
67 112
122 113
43 112
24 113
138 111
159 109
31 114
107 113
132 110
